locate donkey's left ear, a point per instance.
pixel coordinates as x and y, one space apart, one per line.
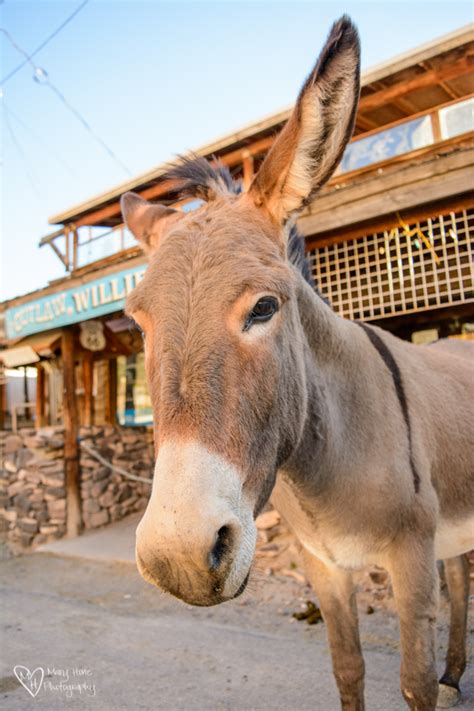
146 221
312 142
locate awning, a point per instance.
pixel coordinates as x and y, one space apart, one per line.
28 350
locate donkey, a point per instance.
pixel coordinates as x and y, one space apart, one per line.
364 441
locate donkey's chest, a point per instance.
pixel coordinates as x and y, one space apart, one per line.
333 543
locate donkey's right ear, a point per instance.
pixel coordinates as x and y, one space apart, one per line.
311 144
147 222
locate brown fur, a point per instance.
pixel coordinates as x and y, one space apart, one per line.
304 407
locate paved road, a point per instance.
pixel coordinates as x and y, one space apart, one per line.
98 624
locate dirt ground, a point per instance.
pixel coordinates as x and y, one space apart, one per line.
107 640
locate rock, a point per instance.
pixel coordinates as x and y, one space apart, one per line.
267 520
125 493
10 515
33 442
90 506
10 464
100 474
36 495
56 507
21 503
55 480
98 488
12 443
49 466
25 539
23 457
107 499
55 492
98 519
33 477
29 525
115 512
48 530
46 432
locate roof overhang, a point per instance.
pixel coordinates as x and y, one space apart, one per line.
370 79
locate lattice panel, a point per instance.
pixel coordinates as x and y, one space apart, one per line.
409 268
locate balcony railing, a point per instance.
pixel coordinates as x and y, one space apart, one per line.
417 267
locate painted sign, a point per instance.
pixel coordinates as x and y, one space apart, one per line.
95 298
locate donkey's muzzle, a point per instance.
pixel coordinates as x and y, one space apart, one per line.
197 570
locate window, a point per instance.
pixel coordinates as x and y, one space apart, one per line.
386 144
457 119
133 401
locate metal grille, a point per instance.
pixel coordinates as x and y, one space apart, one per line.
416 267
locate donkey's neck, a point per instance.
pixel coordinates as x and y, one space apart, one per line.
340 366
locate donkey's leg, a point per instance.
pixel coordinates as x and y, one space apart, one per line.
336 596
415 582
457 578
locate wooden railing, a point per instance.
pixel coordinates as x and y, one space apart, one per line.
412 267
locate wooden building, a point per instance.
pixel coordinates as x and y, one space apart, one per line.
389 239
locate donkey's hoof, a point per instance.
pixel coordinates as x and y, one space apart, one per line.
448 696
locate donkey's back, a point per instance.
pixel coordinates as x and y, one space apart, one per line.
443 385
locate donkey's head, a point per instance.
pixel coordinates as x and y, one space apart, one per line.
223 339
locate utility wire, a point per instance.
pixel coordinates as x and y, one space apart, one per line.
20 150
43 44
41 77
38 138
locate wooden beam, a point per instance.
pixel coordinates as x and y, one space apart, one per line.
387 221
436 126
40 396
71 427
365 124
435 179
88 378
248 171
111 401
450 92
3 401
428 78
402 104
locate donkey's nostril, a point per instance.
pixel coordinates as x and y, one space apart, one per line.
222 545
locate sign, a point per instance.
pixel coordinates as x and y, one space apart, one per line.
95 298
92 336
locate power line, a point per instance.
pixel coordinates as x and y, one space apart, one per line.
20 150
43 44
38 138
41 77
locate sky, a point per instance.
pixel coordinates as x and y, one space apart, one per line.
154 79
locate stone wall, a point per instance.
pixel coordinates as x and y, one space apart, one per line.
32 494
32 487
108 496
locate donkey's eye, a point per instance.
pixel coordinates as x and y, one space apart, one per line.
264 309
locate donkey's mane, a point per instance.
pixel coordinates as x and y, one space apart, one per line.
196 177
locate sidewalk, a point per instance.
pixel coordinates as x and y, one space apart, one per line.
114 543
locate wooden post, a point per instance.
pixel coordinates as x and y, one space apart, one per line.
111 403
436 127
40 396
3 399
248 169
88 376
71 447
